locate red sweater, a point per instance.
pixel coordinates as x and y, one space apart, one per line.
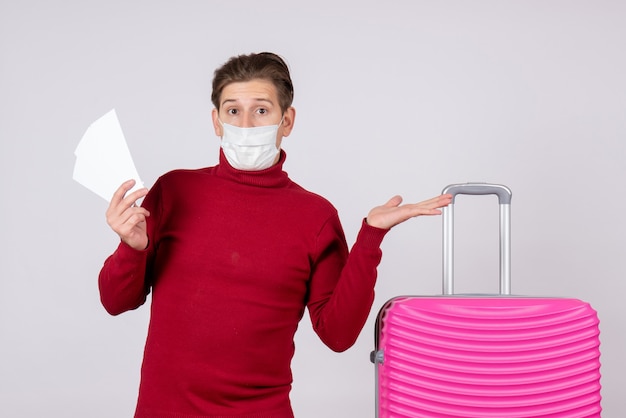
234 258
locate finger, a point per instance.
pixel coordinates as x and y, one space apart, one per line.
444 200
121 191
117 199
437 202
134 215
427 207
135 218
424 210
127 228
120 204
134 196
120 217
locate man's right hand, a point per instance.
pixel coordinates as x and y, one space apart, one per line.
127 219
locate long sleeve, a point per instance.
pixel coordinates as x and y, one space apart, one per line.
124 281
339 303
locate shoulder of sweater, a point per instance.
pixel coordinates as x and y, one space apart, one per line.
185 172
312 198
182 173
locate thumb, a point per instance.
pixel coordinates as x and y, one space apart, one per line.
394 201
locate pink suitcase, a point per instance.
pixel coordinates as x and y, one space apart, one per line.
483 356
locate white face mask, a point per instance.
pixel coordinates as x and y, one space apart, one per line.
250 148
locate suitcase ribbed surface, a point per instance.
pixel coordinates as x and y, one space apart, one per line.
489 357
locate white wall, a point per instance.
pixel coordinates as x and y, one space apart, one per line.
392 97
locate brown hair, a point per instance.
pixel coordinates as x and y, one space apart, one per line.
264 65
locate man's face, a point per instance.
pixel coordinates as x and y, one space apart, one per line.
252 103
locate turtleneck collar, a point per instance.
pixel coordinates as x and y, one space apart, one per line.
273 176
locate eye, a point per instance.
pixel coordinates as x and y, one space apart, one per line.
231 111
262 111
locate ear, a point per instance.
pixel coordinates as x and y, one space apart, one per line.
217 126
288 121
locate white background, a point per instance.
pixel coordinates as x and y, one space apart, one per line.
392 97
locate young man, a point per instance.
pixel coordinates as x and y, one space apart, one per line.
233 254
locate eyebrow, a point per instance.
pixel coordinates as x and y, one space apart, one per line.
255 99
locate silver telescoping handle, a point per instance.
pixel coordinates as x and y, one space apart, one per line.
504 197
